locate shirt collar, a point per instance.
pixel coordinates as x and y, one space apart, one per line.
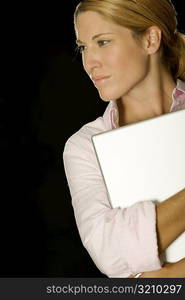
111 115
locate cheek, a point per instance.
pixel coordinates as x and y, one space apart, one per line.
132 64
120 61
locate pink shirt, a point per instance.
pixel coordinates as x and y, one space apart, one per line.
121 241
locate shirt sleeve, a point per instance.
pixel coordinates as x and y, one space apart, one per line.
121 241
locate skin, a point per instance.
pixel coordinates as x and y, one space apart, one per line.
136 78
138 81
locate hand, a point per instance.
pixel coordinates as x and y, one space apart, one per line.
169 270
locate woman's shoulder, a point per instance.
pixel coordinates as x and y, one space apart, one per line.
82 138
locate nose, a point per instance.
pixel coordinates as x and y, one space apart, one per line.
91 61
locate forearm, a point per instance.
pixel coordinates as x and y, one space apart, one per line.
175 270
170 219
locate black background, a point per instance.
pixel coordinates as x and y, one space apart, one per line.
44 98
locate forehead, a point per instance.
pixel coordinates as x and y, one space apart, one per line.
91 23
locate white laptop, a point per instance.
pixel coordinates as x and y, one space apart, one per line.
145 161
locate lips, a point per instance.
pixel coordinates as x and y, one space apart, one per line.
99 79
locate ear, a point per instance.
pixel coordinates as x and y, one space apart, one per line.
152 39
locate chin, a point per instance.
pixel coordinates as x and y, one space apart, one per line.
109 95
107 99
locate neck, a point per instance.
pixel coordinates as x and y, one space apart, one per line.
148 99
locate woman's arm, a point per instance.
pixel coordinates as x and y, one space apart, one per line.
174 270
121 241
170 224
170 219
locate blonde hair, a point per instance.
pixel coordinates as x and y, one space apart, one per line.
138 16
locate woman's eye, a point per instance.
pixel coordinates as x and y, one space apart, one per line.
103 42
80 48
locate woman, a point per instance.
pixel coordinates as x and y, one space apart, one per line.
134 55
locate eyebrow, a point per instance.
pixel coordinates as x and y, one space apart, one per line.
95 37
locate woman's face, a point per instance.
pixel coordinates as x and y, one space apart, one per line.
112 58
